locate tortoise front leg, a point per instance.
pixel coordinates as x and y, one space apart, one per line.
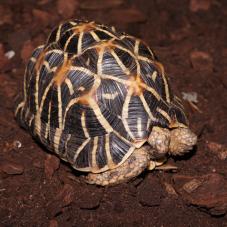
132 167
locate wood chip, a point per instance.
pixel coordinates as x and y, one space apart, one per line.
41 16
6 15
201 61
27 50
99 4
192 185
170 189
197 5
66 194
207 192
67 8
53 223
51 164
218 149
127 16
11 168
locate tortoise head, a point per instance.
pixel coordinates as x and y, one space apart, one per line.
174 142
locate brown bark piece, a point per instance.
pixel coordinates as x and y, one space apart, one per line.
201 61
27 50
11 168
99 4
207 192
67 8
51 164
127 16
150 192
41 16
196 5
218 149
63 198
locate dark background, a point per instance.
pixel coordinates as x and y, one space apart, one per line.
190 39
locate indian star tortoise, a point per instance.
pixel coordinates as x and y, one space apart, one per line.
100 100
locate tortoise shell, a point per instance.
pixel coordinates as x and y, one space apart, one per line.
92 95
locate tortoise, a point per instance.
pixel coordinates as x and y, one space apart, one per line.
100 100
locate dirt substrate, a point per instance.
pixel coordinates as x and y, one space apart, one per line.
190 38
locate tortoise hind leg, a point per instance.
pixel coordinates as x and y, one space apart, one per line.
132 167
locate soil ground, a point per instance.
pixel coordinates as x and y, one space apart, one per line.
190 39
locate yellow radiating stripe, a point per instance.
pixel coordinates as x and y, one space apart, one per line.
44 96
109 77
37 117
139 126
88 62
59 107
46 64
37 90
30 121
164 114
66 146
33 59
69 85
91 102
102 120
162 72
138 68
68 40
120 63
136 47
82 146
166 88
82 69
110 162
145 59
20 105
93 154
121 137
154 76
99 62
71 103
115 45
125 113
40 109
57 137
73 23
95 37
83 123
126 50
148 123
151 90
37 124
79 45
110 95
56 51
58 33
48 121
113 28
147 108
151 52
108 33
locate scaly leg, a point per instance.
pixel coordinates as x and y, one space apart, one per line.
132 167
